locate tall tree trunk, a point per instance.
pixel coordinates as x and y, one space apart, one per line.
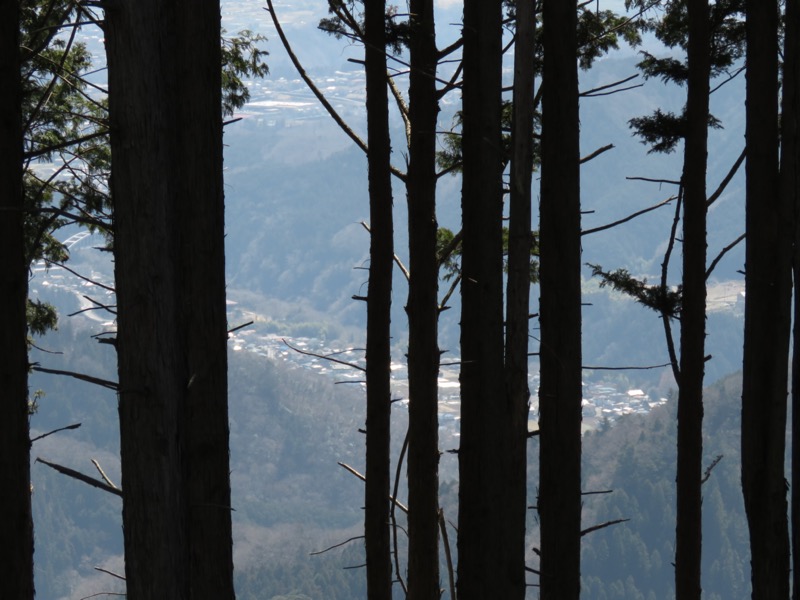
767 315
16 525
483 566
688 534
560 310
379 301
790 190
201 242
165 111
518 291
423 312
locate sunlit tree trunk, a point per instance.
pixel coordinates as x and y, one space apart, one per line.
560 389
16 526
423 313
767 315
379 300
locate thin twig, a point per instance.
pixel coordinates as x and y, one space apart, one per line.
323 356
103 474
393 514
316 91
596 153
669 181
397 260
447 555
44 435
596 368
608 86
79 276
722 253
589 530
238 327
347 467
339 545
724 183
106 571
629 217
710 468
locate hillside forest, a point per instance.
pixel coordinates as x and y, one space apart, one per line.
502 275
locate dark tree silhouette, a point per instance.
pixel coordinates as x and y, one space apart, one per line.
483 563
379 299
767 314
423 310
693 311
560 389
165 112
16 526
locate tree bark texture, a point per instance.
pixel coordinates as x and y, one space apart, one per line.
518 291
379 300
688 533
790 186
423 312
560 389
165 111
767 315
16 525
484 569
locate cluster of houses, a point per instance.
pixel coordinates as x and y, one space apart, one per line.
602 403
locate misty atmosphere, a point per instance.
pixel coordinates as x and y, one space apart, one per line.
575 490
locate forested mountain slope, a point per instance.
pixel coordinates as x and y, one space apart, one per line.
288 430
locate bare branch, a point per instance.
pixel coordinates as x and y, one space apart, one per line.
669 181
79 276
397 260
323 356
447 554
644 368
107 572
111 385
721 188
594 528
710 468
339 545
596 153
81 477
44 435
103 475
608 86
347 467
722 253
97 306
238 327
629 217
316 91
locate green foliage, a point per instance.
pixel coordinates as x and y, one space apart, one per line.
42 317
663 131
347 22
241 58
600 32
448 254
660 298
